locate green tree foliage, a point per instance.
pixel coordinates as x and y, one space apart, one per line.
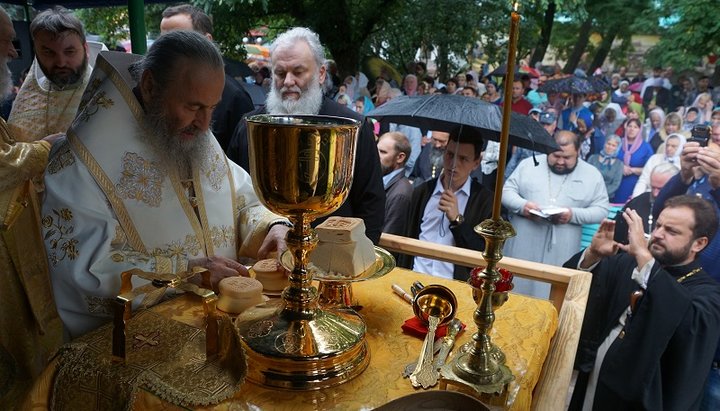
693 32
111 23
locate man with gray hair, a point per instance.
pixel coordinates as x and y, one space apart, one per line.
30 329
51 93
141 182
296 60
643 203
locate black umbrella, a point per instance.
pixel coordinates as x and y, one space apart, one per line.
444 112
237 69
571 84
501 71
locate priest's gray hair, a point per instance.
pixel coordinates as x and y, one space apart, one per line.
173 49
292 36
665 168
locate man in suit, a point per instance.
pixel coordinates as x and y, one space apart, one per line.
394 150
298 72
445 209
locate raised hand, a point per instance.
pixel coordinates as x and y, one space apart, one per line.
602 245
637 242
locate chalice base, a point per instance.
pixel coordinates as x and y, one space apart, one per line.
307 350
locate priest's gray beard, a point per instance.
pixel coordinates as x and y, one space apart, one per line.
6 83
164 137
309 102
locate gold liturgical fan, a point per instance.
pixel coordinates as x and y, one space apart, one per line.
302 168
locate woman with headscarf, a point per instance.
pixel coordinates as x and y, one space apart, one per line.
703 102
634 153
608 164
673 147
654 123
611 118
673 124
622 95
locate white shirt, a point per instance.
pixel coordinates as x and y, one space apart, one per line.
435 228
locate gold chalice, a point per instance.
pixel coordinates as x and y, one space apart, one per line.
302 168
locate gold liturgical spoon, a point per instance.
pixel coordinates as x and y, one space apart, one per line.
436 305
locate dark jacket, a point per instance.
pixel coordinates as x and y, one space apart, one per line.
661 359
367 196
662 99
234 104
478 209
397 203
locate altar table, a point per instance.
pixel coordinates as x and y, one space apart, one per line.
523 329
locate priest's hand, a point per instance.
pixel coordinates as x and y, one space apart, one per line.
448 205
531 206
637 242
274 241
219 267
602 245
562 218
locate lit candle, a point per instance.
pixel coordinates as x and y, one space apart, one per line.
509 76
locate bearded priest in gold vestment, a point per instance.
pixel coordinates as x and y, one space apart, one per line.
30 329
50 95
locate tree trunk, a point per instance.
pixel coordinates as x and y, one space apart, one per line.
347 60
716 74
580 46
539 52
443 63
603 50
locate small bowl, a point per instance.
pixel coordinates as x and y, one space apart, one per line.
435 300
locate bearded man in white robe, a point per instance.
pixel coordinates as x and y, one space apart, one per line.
140 182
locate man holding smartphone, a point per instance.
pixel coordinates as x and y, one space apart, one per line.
700 175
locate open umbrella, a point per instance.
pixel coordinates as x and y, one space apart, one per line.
501 71
571 84
444 112
600 83
236 69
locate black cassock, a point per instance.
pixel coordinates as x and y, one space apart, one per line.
661 359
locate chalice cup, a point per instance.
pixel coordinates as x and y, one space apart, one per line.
302 168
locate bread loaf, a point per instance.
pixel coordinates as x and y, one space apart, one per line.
271 274
238 294
343 250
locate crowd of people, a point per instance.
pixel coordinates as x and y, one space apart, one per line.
143 162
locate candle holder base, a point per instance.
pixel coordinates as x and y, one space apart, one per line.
481 383
495 352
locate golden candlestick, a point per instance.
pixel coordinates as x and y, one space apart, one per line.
481 367
302 168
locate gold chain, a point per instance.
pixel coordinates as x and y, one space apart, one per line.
688 275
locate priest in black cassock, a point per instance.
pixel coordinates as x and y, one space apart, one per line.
653 314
